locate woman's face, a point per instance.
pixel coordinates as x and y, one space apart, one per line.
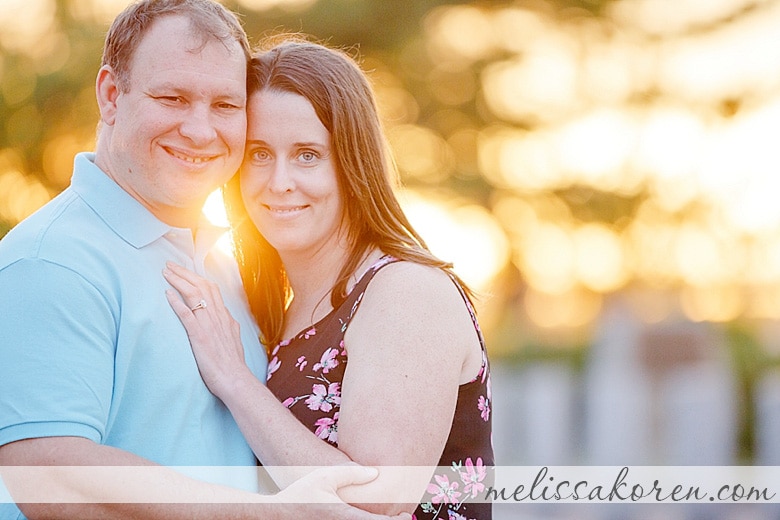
288 178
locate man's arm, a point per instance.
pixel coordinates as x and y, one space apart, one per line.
72 493
56 381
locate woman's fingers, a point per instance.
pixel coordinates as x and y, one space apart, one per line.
189 292
192 286
192 289
214 335
200 308
180 308
183 273
189 301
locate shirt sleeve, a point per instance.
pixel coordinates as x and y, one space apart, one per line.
57 344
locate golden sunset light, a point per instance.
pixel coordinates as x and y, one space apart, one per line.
603 175
632 145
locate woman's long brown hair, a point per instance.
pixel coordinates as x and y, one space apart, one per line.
344 102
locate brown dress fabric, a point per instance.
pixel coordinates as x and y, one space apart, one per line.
306 372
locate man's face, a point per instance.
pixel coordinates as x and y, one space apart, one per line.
177 132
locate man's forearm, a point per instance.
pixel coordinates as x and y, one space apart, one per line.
70 477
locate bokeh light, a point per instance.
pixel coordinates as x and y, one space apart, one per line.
97 11
561 155
292 5
601 264
20 194
571 309
465 234
421 153
446 28
25 24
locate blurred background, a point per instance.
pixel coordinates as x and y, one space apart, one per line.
604 173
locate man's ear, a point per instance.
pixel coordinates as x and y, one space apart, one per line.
107 93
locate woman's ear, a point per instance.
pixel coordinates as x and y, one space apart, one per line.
107 92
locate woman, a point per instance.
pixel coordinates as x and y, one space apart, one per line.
373 342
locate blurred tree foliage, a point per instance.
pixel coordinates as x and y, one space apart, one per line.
43 103
543 126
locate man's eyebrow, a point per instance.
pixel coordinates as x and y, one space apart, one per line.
177 88
166 85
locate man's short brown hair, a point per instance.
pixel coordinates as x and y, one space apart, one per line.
209 20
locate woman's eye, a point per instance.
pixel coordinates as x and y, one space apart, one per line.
259 155
308 156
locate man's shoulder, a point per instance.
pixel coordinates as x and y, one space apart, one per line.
52 232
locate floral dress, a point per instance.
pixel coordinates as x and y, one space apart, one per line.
306 373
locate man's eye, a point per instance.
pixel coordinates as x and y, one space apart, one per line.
170 99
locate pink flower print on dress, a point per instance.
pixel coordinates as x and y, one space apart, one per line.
484 407
280 345
472 477
273 366
309 333
289 402
354 308
444 491
326 428
328 361
455 516
484 402
301 364
324 399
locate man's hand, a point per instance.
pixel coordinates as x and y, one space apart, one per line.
69 477
316 494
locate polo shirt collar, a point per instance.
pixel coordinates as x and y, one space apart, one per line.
121 211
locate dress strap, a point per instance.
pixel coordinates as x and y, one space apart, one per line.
353 299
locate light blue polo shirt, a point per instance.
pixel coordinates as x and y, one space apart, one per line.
89 345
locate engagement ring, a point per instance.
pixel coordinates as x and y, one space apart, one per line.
201 305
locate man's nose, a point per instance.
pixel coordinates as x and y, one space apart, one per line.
198 125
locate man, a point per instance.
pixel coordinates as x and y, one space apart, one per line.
95 368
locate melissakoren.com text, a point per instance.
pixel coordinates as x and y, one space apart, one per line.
635 484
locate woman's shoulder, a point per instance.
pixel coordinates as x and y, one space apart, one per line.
414 310
412 288
407 275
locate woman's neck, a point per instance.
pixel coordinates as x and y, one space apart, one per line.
312 279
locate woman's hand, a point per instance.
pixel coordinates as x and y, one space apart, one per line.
214 335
